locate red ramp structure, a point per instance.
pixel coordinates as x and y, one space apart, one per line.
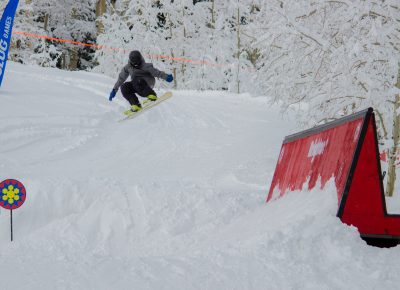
347 151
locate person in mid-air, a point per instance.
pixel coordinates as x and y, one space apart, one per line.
142 82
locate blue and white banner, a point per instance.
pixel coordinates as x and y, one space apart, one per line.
6 24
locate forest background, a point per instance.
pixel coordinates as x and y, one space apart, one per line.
318 59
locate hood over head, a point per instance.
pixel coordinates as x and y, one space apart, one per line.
136 59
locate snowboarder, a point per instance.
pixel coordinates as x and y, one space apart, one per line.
142 81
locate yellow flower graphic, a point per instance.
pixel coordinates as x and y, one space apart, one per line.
10 194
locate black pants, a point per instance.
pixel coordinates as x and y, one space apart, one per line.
136 86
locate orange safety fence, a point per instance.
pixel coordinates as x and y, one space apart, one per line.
121 50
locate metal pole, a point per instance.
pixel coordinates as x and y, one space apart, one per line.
11 221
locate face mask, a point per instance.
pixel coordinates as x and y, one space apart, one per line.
135 65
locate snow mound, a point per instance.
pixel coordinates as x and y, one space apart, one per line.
174 199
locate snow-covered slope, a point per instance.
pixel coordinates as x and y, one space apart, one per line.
171 200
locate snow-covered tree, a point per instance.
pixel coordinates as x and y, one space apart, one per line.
335 57
321 59
71 20
30 50
199 42
129 26
66 19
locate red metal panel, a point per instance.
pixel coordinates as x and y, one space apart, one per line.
365 206
319 156
346 150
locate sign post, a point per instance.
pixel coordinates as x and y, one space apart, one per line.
11 225
12 196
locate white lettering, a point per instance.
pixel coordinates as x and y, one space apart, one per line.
3 45
2 57
7 27
3 48
317 147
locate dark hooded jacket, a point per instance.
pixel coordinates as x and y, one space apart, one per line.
138 68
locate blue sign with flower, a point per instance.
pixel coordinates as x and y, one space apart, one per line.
12 194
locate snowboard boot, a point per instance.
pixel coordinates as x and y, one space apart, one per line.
133 109
152 98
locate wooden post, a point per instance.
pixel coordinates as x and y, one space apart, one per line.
183 69
46 22
393 153
238 49
73 59
100 10
63 60
213 13
175 81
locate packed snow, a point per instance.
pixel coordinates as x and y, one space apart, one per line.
174 199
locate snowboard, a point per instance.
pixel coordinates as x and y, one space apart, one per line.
148 105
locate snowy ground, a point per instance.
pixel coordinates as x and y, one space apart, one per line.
171 200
